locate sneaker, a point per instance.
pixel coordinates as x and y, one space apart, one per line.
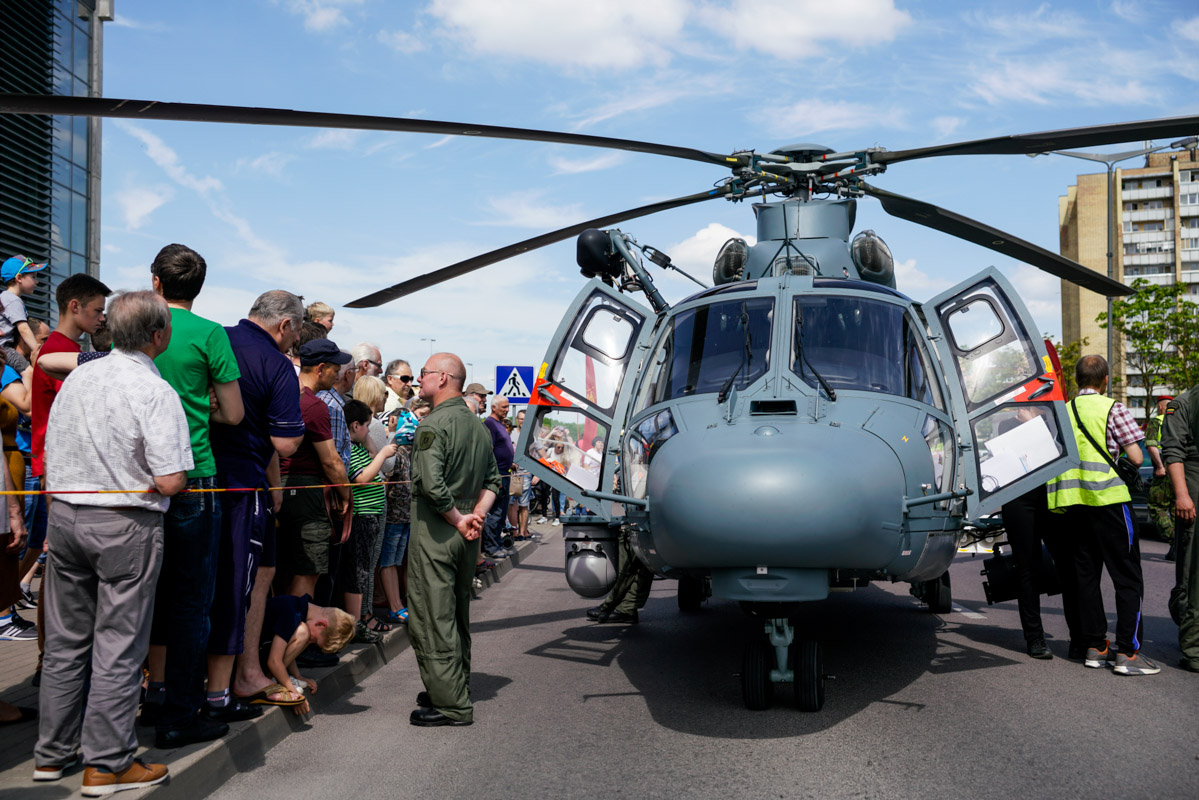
99 782
1097 658
364 635
1038 649
1135 664
18 630
541 520
496 555
555 523
27 601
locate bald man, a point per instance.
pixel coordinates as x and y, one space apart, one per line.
454 484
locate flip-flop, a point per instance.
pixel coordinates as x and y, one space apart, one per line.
263 697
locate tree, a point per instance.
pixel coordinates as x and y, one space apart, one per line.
1185 325
1068 355
1145 322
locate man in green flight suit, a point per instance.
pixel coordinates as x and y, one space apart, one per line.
1182 464
1161 491
454 483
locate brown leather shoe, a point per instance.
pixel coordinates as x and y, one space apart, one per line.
100 782
53 772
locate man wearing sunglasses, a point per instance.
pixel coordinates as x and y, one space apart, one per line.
454 484
398 378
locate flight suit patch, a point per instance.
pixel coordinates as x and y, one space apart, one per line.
425 439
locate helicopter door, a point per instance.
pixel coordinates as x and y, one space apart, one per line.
580 396
1007 398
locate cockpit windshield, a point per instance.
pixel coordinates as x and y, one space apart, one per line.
864 344
706 346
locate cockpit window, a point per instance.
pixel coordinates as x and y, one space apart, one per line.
863 344
706 346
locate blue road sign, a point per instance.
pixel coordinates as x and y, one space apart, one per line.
515 383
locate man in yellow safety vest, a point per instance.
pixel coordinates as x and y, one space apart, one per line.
1099 520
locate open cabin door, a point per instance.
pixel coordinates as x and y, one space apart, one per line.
580 397
1007 398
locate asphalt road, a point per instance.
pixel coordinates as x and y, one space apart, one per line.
922 705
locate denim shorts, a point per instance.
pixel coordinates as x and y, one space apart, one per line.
395 544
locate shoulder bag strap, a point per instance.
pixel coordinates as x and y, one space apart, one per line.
1103 450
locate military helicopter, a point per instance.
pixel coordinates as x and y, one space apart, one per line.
799 428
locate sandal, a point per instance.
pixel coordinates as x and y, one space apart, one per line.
377 625
398 617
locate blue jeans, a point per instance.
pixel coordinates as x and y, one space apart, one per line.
190 533
493 526
35 513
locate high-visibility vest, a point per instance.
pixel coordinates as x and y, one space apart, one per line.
1094 482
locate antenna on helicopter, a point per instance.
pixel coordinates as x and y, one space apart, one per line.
662 260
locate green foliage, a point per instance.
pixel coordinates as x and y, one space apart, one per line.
1149 322
1068 355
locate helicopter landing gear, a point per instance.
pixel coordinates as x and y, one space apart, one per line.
936 593
808 666
693 592
782 659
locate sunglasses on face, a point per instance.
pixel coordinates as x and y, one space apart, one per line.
401 378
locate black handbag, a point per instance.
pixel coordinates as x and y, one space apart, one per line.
1128 472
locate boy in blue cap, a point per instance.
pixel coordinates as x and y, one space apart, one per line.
20 278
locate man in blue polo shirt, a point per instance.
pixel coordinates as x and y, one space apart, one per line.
247 456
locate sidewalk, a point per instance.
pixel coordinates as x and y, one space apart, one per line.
198 769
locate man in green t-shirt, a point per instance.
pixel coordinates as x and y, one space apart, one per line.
198 361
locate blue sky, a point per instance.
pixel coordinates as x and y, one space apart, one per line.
334 215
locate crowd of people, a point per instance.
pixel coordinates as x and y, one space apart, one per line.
230 506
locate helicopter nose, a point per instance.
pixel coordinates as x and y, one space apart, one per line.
785 495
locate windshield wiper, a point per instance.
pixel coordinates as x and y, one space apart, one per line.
803 359
747 355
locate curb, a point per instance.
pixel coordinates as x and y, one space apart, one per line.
197 770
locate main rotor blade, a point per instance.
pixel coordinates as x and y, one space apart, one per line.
1068 138
972 231
471 264
196 112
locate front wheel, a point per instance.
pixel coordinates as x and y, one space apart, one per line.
757 690
808 668
938 595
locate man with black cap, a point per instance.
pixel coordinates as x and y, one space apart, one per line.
305 531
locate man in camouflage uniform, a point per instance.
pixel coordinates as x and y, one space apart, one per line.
1182 465
631 590
454 483
1161 491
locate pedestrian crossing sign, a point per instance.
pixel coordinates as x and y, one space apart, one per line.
514 383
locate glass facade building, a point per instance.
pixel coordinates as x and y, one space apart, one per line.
50 166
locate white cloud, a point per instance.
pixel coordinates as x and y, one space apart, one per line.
444 140
1044 22
122 21
403 42
615 34
814 116
1189 29
1045 82
525 210
1042 293
798 29
918 285
168 160
334 139
320 15
269 163
695 256
573 166
139 202
945 126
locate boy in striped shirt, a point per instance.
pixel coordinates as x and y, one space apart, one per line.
370 503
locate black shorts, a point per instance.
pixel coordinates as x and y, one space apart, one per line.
304 527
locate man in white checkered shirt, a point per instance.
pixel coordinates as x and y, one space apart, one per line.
114 425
